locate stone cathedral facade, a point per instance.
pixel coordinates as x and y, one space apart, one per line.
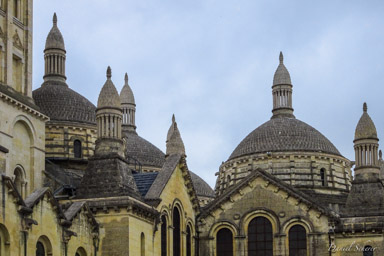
77 179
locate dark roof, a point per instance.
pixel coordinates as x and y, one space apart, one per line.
284 134
60 103
164 175
142 150
201 187
73 210
144 181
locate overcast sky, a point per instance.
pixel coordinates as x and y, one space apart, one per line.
211 62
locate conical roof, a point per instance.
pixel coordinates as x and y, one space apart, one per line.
365 128
55 39
126 94
281 75
175 144
109 97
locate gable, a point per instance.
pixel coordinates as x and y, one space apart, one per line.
261 189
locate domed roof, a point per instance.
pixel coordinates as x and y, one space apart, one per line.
126 94
142 150
365 128
109 97
55 39
281 135
61 103
202 188
281 75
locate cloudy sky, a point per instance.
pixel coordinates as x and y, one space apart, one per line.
211 62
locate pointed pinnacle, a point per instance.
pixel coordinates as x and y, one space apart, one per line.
126 79
281 58
109 72
365 107
173 118
54 19
380 154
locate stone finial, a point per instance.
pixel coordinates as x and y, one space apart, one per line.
281 58
365 107
54 19
173 118
109 72
126 79
380 154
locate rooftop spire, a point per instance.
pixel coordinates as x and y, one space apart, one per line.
282 91
174 143
126 79
365 107
109 72
54 19
54 55
281 58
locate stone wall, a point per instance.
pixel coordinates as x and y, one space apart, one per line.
298 169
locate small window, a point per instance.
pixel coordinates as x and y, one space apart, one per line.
260 237
40 250
189 242
228 180
224 242
176 232
142 242
77 148
163 236
322 177
297 241
368 250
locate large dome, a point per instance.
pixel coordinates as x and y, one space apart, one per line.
61 103
142 150
202 188
282 135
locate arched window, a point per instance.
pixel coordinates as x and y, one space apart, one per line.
297 241
43 246
40 249
228 180
368 250
189 241
322 177
176 232
81 252
164 236
77 148
224 242
18 179
142 244
4 241
260 237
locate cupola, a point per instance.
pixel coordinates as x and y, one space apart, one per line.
282 91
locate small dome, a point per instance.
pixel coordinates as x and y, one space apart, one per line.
365 128
126 94
55 39
61 103
201 187
281 75
142 150
284 135
109 97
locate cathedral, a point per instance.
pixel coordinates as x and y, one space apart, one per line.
77 179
